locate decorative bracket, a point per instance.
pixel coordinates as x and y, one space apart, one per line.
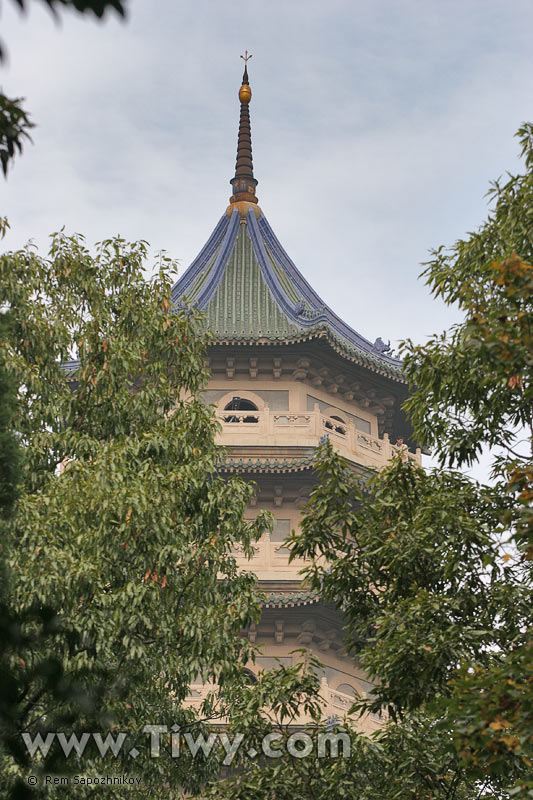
230 368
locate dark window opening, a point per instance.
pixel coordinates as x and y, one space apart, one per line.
240 404
249 676
330 425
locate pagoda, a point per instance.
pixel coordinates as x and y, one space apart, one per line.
285 370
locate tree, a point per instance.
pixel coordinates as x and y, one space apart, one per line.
10 473
408 760
432 570
123 586
15 123
478 390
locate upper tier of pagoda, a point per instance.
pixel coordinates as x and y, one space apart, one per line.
249 288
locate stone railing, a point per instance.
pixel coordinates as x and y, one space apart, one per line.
268 554
304 429
335 706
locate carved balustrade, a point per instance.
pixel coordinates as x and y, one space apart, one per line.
304 429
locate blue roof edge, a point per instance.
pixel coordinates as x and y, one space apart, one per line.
323 312
260 231
201 260
217 270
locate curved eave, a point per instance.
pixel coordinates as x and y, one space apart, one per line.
320 313
184 285
321 332
267 465
306 319
291 599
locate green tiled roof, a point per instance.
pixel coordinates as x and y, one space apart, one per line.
251 292
267 464
290 599
242 305
284 280
201 278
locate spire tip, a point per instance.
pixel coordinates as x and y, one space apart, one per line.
245 93
244 182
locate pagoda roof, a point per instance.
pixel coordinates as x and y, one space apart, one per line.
291 599
250 290
261 464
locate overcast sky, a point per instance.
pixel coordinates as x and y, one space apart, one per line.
376 129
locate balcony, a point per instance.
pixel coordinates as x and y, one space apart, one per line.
254 427
335 705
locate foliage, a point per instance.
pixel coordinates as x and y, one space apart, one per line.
415 564
420 573
478 389
403 761
10 454
473 385
122 535
15 122
10 472
433 570
14 129
97 7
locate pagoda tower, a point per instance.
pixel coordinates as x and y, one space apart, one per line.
285 370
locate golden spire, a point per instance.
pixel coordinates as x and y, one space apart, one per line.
245 93
244 182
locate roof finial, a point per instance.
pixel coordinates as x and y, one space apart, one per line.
246 59
244 182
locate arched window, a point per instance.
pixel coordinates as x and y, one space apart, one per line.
240 404
331 425
345 688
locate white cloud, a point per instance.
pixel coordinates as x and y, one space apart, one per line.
376 127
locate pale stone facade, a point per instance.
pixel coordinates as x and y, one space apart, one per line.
284 372
292 414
